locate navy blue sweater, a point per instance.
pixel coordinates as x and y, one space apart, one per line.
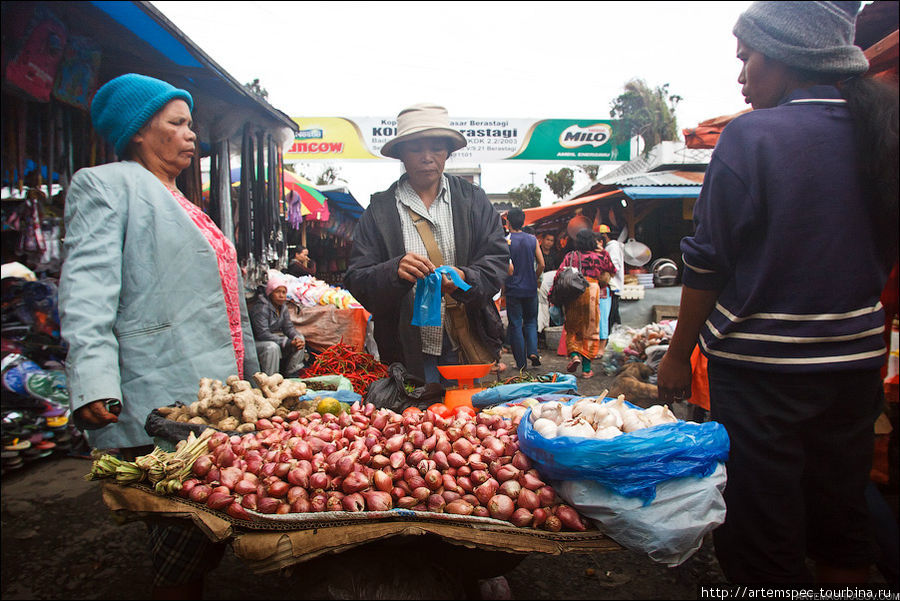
784 232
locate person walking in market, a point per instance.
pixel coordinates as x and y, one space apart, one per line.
582 316
521 291
791 321
150 296
279 346
617 282
427 219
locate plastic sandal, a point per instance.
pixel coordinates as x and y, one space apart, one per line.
587 375
535 360
574 364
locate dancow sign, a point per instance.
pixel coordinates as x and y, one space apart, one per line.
361 138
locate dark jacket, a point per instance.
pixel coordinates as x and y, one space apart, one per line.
271 324
482 254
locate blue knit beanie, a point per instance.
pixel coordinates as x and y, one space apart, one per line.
124 104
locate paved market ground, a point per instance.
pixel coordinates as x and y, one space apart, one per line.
60 542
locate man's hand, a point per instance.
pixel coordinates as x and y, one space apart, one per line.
97 415
298 343
447 285
674 378
414 267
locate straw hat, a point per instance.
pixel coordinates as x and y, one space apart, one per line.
423 121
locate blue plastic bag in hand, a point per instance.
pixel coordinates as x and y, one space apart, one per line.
630 464
427 306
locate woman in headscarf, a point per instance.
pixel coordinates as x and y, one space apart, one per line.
279 346
582 323
151 298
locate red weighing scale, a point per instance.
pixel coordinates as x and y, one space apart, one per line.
465 376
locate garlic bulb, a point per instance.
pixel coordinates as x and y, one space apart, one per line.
535 413
566 412
545 427
607 433
575 427
659 414
632 420
552 410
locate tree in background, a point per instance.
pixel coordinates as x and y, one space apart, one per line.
255 87
590 170
525 196
329 174
645 112
560 182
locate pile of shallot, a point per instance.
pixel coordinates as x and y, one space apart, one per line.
593 418
375 460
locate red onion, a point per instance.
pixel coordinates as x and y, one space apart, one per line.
296 492
379 462
398 493
453 433
277 489
316 444
225 456
417 438
463 447
354 502
476 463
254 465
511 489
531 482
230 476
510 447
268 469
355 482
249 501
237 512
344 420
383 482
521 517
187 486
407 448
416 456
436 503
493 444
202 466
479 477
485 491
267 505
448 482
501 507
379 420
394 443
346 463
215 440
459 507
318 480
521 461
553 524
570 518
489 456
433 479
334 504
301 506
301 450
317 502
283 469
243 487
481 511
421 493
200 493
482 431
456 460
407 502
440 459
507 472
411 472
450 495
465 483
528 499
471 499
443 446
416 481
219 500
426 465
547 496
463 470
264 424
378 500
397 459
429 443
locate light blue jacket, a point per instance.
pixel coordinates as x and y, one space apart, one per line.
140 300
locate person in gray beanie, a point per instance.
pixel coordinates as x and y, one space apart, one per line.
795 235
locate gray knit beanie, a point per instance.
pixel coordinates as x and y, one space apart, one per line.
811 36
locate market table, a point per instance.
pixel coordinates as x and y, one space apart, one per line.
270 546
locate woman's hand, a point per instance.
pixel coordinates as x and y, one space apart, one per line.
96 414
414 267
298 343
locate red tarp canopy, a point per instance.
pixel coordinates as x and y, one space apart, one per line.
537 213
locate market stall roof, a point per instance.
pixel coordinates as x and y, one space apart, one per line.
342 200
137 36
538 213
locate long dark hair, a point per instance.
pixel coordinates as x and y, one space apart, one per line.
874 108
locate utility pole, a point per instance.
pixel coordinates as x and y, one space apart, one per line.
531 173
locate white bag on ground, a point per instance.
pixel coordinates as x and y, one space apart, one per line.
670 529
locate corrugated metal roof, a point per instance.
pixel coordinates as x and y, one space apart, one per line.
661 178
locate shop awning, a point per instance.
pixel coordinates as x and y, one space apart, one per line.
538 213
661 192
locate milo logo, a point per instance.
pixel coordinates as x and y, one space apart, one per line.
594 135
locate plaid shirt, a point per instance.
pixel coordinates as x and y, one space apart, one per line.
440 217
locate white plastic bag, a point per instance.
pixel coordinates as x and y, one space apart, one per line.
670 529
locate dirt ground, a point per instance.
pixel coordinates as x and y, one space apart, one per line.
60 542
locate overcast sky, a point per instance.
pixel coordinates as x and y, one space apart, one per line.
535 60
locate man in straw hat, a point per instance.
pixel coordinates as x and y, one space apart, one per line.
424 220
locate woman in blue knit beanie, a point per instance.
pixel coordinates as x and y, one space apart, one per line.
150 293
795 235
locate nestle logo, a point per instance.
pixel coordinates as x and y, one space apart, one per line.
309 134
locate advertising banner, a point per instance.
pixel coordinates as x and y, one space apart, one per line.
361 138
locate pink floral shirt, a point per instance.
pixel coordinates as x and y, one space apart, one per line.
226 256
